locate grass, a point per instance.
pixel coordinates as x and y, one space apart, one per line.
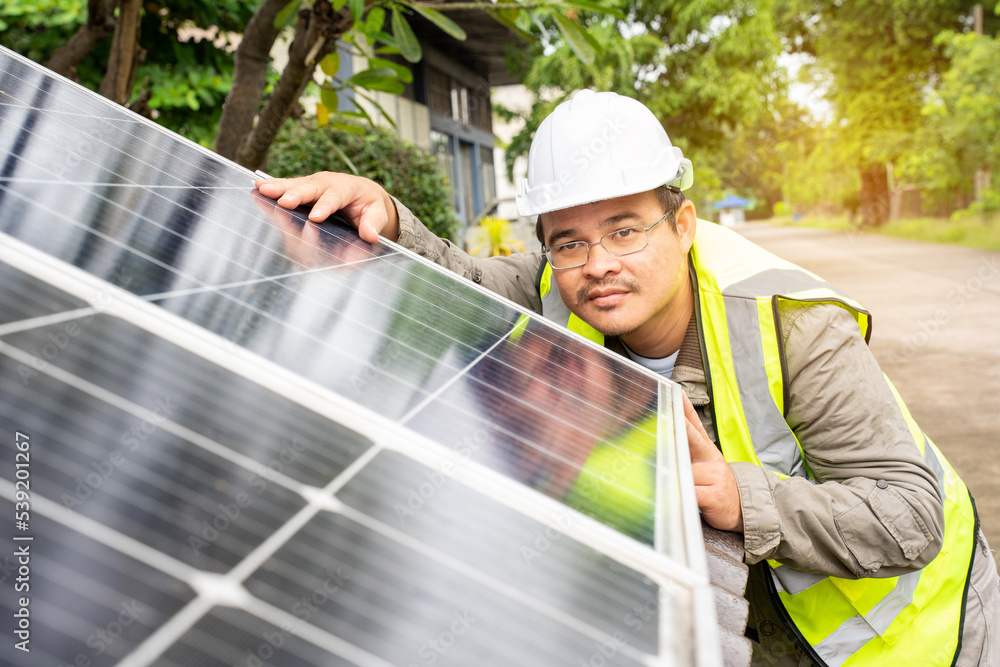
970 232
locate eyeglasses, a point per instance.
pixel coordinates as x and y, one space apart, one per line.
619 242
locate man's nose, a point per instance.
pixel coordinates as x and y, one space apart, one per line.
601 262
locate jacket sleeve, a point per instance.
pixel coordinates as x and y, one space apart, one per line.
874 509
511 277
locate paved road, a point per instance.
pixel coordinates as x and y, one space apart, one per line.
936 334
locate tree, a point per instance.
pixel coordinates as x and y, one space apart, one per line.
883 59
180 80
178 77
705 69
362 26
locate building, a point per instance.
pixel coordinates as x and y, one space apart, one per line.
447 109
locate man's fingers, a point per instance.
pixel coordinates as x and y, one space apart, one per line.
700 445
363 202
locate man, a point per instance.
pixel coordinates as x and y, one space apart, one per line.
863 542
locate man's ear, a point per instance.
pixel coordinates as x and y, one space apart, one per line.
687 224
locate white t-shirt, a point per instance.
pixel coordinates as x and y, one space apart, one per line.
664 366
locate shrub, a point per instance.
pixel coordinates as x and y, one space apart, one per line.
495 236
408 173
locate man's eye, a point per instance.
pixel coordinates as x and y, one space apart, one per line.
623 234
567 248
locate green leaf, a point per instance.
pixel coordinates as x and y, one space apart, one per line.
330 63
402 73
441 21
595 7
286 15
374 21
357 9
575 38
338 4
328 98
593 41
384 83
405 39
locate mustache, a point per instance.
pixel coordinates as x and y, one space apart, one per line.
583 294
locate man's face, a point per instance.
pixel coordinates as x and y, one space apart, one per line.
640 296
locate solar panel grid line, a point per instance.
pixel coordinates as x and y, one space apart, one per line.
145 187
243 362
12 249
427 400
122 115
224 257
167 634
317 636
25 250
107 536
275 541
77 114
125 114
105 184
146 414
45 320
253 281
497 585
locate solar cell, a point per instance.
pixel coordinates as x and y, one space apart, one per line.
282 445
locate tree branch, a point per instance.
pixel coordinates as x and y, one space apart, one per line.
249 78
316 35
99 26
468 6
117 82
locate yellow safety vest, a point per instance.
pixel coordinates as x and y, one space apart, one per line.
914 619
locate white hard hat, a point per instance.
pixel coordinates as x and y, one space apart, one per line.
598 146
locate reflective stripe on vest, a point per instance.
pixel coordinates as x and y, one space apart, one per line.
914 619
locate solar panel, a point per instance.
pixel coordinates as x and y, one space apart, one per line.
244 448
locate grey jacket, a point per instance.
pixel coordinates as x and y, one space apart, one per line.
874 509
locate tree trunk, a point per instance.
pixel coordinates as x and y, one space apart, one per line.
874 195
249 78
117 82
316 35
99 26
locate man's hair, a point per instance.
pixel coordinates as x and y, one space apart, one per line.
670 199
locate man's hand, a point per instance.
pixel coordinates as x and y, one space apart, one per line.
362 201
714 482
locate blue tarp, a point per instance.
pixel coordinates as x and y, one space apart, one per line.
732 201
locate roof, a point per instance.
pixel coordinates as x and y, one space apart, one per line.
483 50
732 201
